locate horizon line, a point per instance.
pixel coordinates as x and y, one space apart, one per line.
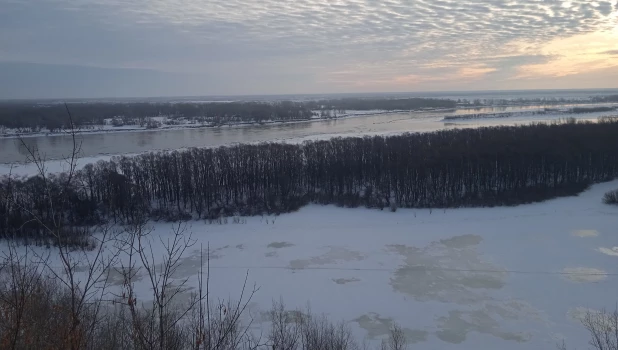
375 93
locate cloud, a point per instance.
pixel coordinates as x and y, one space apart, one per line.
331 45
475 72
575 55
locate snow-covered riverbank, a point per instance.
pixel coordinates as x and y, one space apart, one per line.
507 278
163 123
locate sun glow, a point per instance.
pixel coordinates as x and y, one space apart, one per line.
575 55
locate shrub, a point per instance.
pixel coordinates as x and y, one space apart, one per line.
36 311
611 197
393 207
303 330
152 124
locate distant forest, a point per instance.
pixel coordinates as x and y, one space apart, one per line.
504 165
22 117
33 117
541 101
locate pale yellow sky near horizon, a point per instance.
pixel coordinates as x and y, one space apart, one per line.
574 55
592 57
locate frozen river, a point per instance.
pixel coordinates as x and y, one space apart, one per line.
113 143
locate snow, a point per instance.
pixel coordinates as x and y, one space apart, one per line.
51 166
102 129
490 278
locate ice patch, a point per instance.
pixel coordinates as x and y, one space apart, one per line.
451 271
345 280
585 233
447 271
377 326
280 245
334 255
609 251
457 325
462 241
584 274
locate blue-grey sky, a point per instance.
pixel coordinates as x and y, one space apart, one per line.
106 48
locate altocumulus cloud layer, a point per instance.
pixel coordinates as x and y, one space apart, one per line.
275 46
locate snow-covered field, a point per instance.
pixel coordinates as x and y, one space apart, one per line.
483 278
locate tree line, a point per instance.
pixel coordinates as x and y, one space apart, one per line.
504 165
542 101
33 117
28 117
392 104
579 110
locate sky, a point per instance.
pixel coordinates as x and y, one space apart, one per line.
118 48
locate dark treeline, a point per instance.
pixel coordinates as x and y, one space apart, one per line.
592 109
451 168
541 101
545 111
54 116
33 117
365 104
610 98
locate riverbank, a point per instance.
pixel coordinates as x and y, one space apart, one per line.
183 125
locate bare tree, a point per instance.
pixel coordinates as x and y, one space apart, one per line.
155 326
603 329
18 280
285 333
164 322
83 273
396 340
317 332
